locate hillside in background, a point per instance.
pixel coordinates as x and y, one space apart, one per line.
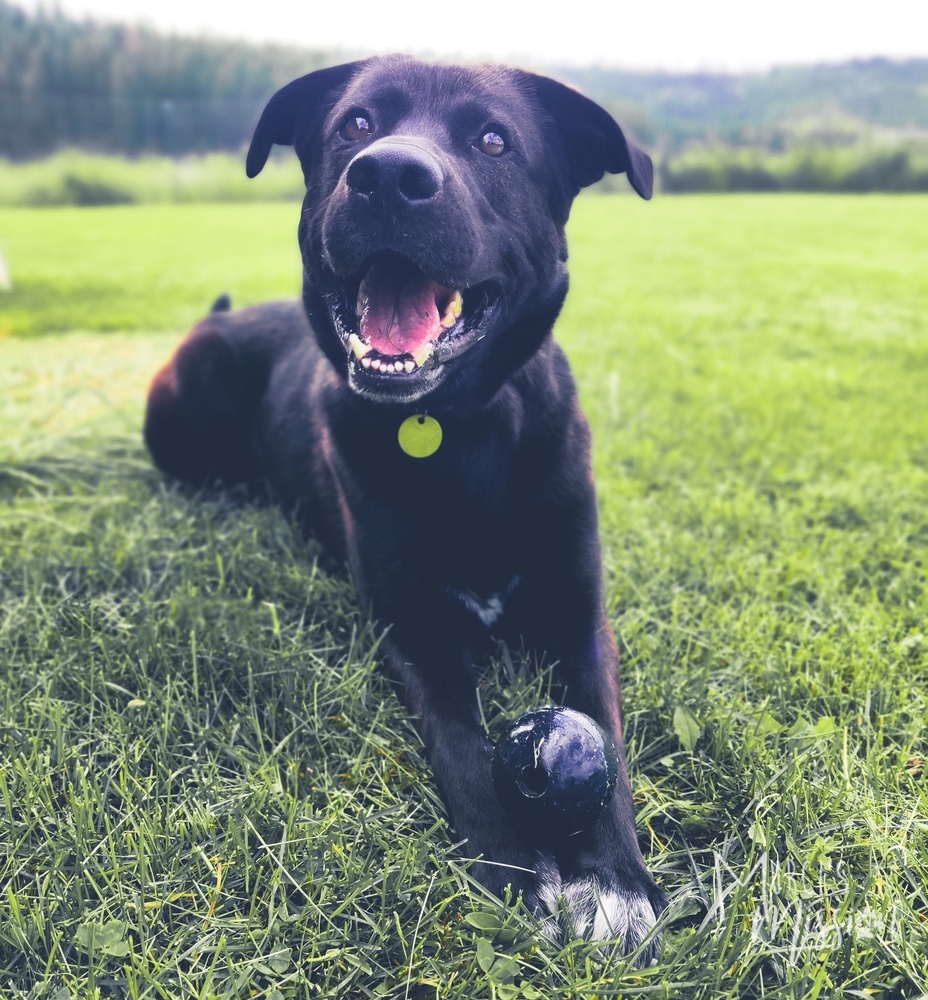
860 125
828 104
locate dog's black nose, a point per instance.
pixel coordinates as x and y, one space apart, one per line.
396 173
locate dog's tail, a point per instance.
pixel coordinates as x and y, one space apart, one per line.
223 304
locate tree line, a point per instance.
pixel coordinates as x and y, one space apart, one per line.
113 88
106 88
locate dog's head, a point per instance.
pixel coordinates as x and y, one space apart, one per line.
432 232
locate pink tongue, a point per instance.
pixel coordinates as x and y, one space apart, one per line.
399 314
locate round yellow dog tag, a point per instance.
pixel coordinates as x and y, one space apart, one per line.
420 435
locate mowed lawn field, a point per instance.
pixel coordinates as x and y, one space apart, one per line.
207 789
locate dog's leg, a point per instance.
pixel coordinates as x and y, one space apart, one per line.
434 678
558 612
607 888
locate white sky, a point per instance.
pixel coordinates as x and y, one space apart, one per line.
663 34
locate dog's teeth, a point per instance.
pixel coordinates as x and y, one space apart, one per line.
375 364
410 366
423 354
366 362
452 310
358 346
388 368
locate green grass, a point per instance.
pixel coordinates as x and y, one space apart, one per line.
207 789
152 267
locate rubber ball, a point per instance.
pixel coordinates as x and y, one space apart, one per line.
554 770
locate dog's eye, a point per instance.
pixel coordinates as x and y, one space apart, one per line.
492 143
357 127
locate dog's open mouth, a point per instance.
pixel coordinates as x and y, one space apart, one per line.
401 322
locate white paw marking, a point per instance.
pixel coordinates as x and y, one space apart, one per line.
592 910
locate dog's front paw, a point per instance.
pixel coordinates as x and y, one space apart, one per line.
575 897
601 906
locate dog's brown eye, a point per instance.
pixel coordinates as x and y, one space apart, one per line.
357 127
492 143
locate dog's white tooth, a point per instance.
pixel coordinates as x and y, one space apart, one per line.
366 362
422 355
410 366
375 364
358 347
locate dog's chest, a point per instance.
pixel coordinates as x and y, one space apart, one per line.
456 521
487 609
471 548
462 535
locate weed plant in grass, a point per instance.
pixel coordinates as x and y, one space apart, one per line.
207 789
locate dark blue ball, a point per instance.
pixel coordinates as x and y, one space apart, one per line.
555 770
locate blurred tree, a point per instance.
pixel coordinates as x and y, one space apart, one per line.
113 88
123 89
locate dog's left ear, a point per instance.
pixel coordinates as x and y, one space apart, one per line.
300 103
592 140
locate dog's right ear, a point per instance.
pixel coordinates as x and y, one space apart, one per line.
305 100
591 139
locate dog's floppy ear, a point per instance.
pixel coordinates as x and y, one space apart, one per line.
303 99
593 141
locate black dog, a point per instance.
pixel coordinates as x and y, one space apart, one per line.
425 425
